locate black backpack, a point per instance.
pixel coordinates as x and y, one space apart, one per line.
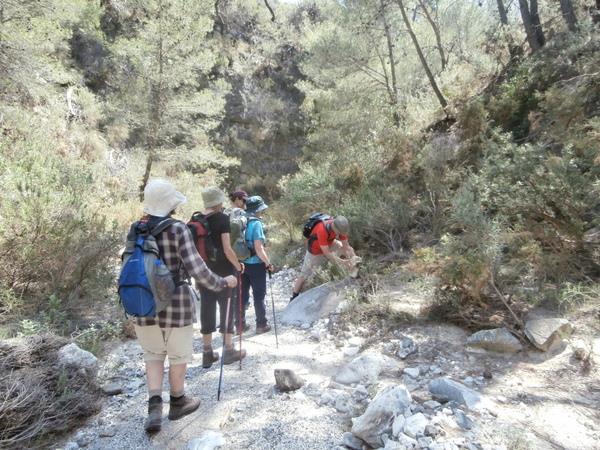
312 221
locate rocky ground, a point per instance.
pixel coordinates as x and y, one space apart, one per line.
418 387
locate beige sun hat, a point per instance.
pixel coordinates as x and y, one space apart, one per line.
161 197
213 196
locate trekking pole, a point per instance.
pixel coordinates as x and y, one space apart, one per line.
273 305
224 348
240 324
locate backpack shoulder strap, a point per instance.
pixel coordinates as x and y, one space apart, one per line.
162 226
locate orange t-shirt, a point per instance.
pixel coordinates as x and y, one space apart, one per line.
323 236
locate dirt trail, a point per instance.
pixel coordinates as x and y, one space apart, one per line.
542 401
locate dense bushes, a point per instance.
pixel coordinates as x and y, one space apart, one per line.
53 241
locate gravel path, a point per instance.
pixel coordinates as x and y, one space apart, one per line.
250 414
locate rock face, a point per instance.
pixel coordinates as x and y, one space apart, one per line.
286 380
377 419
544 333
446 389
497 340
72 356
365 368
315 303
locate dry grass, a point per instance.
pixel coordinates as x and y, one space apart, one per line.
40 400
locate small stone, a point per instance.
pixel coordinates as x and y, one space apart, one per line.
425 441
407 441
545 333
407 347
581 350
432 404
487 374
286 380
350 351
412 372
415 425
463 420
497 340
398 425
431 430
108 432
83 439
71 445
351 441
112 389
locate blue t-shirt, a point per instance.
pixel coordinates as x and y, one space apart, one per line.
254 232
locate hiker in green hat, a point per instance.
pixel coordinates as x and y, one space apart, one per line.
225 263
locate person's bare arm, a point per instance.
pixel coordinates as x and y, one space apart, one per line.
259 248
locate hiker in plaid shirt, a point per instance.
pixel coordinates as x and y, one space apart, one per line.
171 334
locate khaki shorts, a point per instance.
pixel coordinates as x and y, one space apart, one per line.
312 262
176 343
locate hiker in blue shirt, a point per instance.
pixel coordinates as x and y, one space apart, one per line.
256 267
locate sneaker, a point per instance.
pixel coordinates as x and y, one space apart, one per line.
208 358
231 355
154 420
265 329
182 406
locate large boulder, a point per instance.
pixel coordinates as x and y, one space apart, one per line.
316 303
74 357
497 340
544 333
446 389
390 402
365 369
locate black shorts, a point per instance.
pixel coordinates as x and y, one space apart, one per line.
208 310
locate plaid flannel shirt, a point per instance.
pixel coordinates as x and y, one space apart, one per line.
179 253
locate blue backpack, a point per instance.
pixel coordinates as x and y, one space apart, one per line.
146 284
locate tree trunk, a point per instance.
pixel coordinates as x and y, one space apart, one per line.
270 10
502 12
529 25
156 107
390 47
535 19
568 13
436 32
432 81
513 50
219 24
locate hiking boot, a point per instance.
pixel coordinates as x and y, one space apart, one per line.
294 295
182 406
208 358
231 355
154 420
265 329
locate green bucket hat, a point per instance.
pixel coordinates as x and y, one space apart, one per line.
213 196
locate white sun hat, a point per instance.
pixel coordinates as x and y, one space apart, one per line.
161 197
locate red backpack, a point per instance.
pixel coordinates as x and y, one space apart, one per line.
203 238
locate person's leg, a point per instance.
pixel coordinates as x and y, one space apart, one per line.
245 279
180 350
230 355
258 280
310 263
152 342
208 313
